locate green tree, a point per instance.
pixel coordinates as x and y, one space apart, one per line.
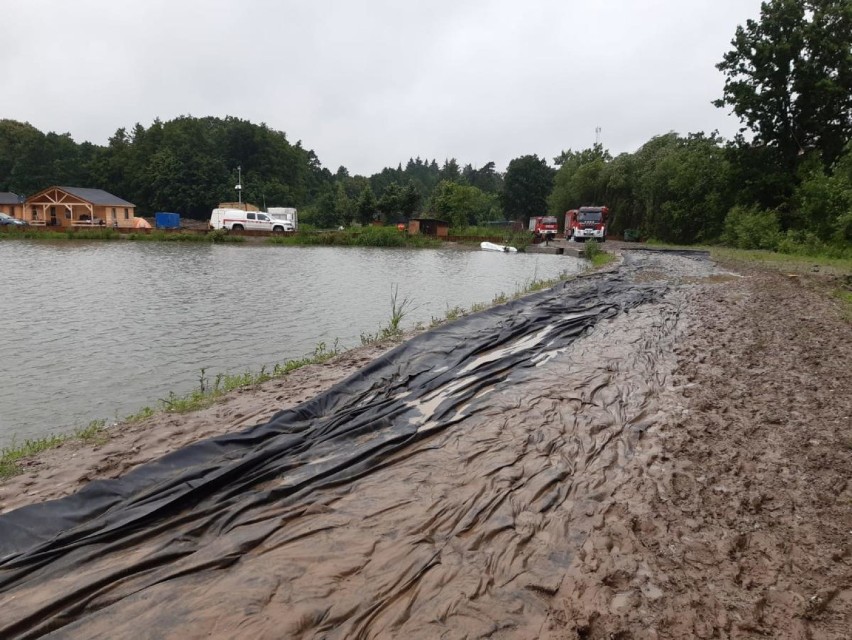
580 180
824 200
388 203
751 228
31 160
343 207
463 205
322 212
450 171
367 206
398 203
577 158
527 185
486 178
684 187
409 200
626 211
789 77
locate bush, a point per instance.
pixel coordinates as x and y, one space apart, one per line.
751 228
843 229
591 249
807 243
368 236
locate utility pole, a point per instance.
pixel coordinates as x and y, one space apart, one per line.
597 136
239 186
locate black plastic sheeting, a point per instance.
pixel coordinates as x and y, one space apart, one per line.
419 388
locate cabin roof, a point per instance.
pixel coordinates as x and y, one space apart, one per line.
97 196
7 197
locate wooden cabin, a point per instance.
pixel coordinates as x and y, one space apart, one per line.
429 227
78 207
12 204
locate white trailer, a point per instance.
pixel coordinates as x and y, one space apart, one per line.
287 214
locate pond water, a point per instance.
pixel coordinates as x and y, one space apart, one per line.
99 330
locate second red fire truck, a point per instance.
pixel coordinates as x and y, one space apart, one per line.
586 223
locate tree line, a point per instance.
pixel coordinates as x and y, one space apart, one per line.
785 181
185 165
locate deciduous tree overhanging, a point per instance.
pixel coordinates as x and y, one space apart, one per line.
784 182
528 182
788 78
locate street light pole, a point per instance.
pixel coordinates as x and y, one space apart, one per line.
239 186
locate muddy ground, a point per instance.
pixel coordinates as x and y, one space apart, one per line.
681 471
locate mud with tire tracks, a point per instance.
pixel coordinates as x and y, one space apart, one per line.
673 465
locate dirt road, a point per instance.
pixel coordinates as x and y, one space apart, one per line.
665 453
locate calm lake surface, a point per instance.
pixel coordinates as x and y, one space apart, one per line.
100 330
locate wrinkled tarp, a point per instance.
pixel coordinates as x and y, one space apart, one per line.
63 561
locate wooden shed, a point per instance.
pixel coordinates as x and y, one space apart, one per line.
429 227
12 204
78 207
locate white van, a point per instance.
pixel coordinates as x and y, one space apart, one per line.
237 220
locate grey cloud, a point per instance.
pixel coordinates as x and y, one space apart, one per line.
369 84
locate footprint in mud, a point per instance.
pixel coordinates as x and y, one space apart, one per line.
683 485
619 580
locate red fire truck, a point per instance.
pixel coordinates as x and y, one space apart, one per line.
544 227
586 223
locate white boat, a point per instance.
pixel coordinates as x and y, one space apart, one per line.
490 246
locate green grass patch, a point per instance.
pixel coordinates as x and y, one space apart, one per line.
95 433
80 234
209 390
518 239
143 414
393 329
218 236
356 237
206 393
530 286
112 234
822 264
784 261
480 231
791 262
602 259
598 257
11 456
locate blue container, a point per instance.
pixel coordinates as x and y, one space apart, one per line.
163 220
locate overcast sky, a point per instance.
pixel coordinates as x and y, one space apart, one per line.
368 84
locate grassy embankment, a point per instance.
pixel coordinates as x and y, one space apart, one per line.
598 257
832 273
10 456
356 237
111 234
392 237
351 237
206 393
518 239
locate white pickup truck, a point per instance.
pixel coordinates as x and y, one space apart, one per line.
238 220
